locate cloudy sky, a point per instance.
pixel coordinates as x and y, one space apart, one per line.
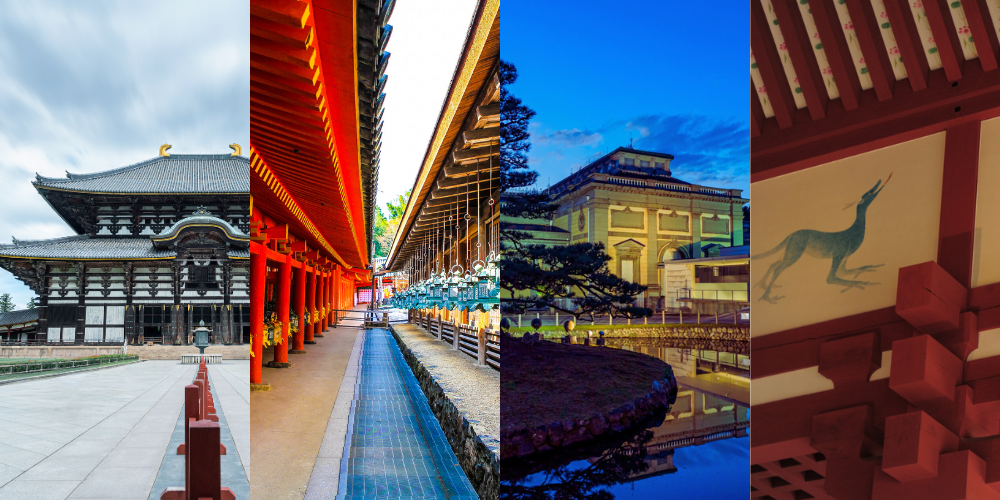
425 46
91 86
661 73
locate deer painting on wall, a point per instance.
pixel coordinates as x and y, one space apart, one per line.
836 246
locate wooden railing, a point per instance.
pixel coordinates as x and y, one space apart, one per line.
485 348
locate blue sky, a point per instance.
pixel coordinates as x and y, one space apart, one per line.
91 86
663 73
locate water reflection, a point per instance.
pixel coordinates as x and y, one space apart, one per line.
702 437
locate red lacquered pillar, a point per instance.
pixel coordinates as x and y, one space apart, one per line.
258 277
284 296
320 285
300 306
311 304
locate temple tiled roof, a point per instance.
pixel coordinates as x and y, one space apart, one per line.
175 174
18 317
86 247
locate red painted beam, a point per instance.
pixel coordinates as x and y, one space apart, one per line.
769 65
756 112
875 125
945 38
866 28
958 201
904 28
837 53
977 13
807 70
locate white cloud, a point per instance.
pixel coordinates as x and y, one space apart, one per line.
426 44
90 86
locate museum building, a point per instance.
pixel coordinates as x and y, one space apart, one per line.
160 246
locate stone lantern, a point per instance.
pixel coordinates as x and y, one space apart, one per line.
201 335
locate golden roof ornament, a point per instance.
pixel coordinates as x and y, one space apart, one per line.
237 150
164 148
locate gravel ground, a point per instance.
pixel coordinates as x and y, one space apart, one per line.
473 389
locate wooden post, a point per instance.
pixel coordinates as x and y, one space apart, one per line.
481 334
284 296
258 276
455 335
300 308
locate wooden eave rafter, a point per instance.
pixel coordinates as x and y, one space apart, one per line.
304 120
863 120
473 79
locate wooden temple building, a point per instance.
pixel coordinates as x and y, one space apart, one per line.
160 246
876 151
316 92
448 240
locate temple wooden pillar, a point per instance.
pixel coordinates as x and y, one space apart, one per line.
311 305
300 309
338 292
283 297
320 303
258 274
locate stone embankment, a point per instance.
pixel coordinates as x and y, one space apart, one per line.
57 351
700 332
477 454
174 352
521 442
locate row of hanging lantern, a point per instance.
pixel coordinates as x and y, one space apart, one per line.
474 289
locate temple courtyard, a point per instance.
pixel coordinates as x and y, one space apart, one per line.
112 433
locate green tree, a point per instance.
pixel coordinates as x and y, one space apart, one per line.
6 303
33 303
382 237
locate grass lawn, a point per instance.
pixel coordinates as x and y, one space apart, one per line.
548 382
61 370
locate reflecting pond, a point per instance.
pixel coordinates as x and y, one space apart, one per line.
700 447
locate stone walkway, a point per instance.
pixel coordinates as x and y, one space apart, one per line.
290 420
100 434
397 447
233 409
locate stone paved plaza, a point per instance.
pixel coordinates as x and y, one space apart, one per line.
105 433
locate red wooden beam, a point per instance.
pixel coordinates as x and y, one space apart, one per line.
977 14
793 29
866 28
877 124
958 201
945 38
769 63
904 28
837 53
756 112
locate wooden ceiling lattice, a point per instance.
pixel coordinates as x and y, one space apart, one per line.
828 76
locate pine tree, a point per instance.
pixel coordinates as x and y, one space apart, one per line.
33 303
6 303
573 279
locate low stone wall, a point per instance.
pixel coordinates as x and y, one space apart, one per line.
174 352
521 442
479 462
703 332
61 352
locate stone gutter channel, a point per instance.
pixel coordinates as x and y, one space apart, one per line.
478 453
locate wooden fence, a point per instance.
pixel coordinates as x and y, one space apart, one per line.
485 348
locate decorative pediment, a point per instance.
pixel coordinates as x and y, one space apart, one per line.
201 229
629 249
